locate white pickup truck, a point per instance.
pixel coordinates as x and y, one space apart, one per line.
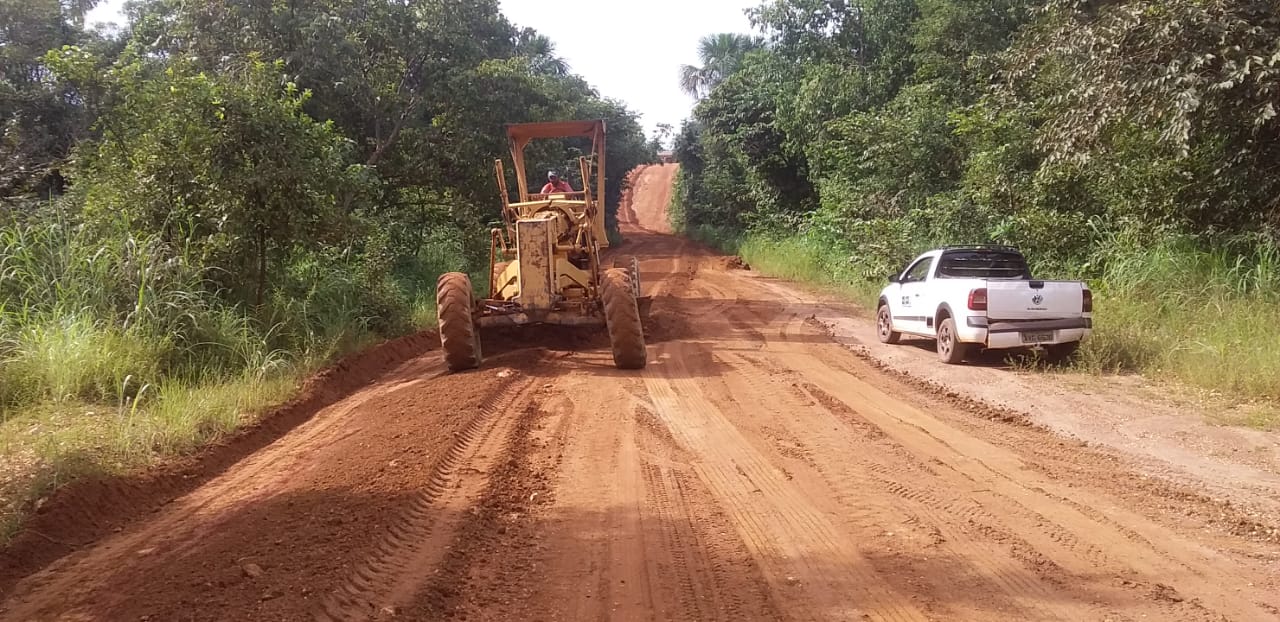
970 297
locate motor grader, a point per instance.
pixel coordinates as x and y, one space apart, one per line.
545 262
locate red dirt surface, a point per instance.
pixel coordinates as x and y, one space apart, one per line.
86 510
757 469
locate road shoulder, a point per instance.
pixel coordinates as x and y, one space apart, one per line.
1168 435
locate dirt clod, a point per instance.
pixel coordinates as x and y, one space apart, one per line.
251 570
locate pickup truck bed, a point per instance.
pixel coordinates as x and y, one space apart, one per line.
983 297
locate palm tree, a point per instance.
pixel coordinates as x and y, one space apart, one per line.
541 52
721 55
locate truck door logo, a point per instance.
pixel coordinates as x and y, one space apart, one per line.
1037 299
906 301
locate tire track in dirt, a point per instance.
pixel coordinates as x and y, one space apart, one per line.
865 484
586 539
628 532
687 572
1030 506
415 543
726 303
1042 557
490 564
698 555
805 559
1068 459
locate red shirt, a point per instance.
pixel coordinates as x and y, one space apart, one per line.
559 186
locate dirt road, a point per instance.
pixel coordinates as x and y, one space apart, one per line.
756 470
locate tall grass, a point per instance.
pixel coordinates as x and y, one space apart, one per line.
117 348
75 357
1205 317
76 319
807 258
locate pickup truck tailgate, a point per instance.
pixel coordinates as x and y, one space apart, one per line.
1034 300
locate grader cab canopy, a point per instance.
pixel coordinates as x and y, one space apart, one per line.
545 263
519 136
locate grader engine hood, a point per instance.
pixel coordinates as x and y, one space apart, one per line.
536 238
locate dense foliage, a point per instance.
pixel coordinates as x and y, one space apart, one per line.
225 188
1132 142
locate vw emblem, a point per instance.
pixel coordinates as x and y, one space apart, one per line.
1037 299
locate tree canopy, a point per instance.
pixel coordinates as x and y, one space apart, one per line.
885 126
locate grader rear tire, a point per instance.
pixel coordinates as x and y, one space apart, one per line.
622 318
458 335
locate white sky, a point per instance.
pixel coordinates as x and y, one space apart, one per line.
631 54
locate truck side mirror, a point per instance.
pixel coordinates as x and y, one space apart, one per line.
895 278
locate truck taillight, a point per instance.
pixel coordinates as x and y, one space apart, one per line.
978 299
1086 305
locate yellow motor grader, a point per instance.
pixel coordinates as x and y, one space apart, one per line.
545 263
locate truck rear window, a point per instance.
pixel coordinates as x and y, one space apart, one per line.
980 264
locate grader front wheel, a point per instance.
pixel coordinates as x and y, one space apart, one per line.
622 319
458 335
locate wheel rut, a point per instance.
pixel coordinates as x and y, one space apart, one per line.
1032 507
818 572
698 550
868 487
416 542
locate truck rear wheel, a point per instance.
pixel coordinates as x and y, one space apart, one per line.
951 350
622 319
1060 353
454 309
884 326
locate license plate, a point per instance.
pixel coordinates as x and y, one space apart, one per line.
1040 337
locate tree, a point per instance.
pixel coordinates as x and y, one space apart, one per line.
664 134
40 121
541 52
228 165
1195 82
720 55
